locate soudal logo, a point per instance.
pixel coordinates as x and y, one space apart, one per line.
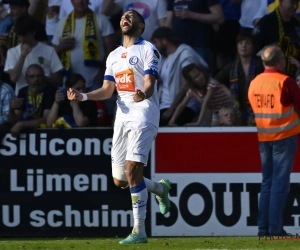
125 80
124 55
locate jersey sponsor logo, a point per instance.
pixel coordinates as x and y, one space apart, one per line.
125 80
141 8
124 55
133 60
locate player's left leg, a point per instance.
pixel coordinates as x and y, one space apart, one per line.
139 198
140 138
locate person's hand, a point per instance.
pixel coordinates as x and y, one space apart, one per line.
191 124
16 103
183 14
294 61
139 96
16 129
59 96
25 49
74 95
67 43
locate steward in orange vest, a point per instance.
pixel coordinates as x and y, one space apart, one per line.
274 119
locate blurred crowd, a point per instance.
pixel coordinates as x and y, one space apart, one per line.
210 53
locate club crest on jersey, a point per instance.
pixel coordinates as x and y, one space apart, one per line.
124 55
133 60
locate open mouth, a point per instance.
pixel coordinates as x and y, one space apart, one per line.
126 23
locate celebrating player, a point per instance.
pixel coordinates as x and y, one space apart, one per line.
133 69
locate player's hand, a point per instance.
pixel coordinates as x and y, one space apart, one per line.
74 95
139 96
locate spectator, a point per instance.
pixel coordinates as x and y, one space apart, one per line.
172 87
52 12
192 22
6 20
68 114
210 93
5 24
273 4
30 51
280 27
6 95
224 35
238 74
227 116
18 9
154 12
278 127
66 7
31 108
84 48
251 12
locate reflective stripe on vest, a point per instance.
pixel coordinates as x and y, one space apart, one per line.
275 116
278 129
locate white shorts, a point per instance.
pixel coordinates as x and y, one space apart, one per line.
132 141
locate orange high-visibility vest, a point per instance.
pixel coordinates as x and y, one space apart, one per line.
273 120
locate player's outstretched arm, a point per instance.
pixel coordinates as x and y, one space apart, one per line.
105 92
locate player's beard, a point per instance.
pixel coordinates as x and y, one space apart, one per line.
132 30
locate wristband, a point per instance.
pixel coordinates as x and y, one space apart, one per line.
84 97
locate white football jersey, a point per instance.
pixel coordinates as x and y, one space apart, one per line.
126 67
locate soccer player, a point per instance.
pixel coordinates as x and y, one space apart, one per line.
133 69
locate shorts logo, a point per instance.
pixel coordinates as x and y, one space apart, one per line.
133 60
124 55
125 80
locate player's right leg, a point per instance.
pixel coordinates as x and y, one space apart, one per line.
140 141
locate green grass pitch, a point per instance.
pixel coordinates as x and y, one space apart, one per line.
154 243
